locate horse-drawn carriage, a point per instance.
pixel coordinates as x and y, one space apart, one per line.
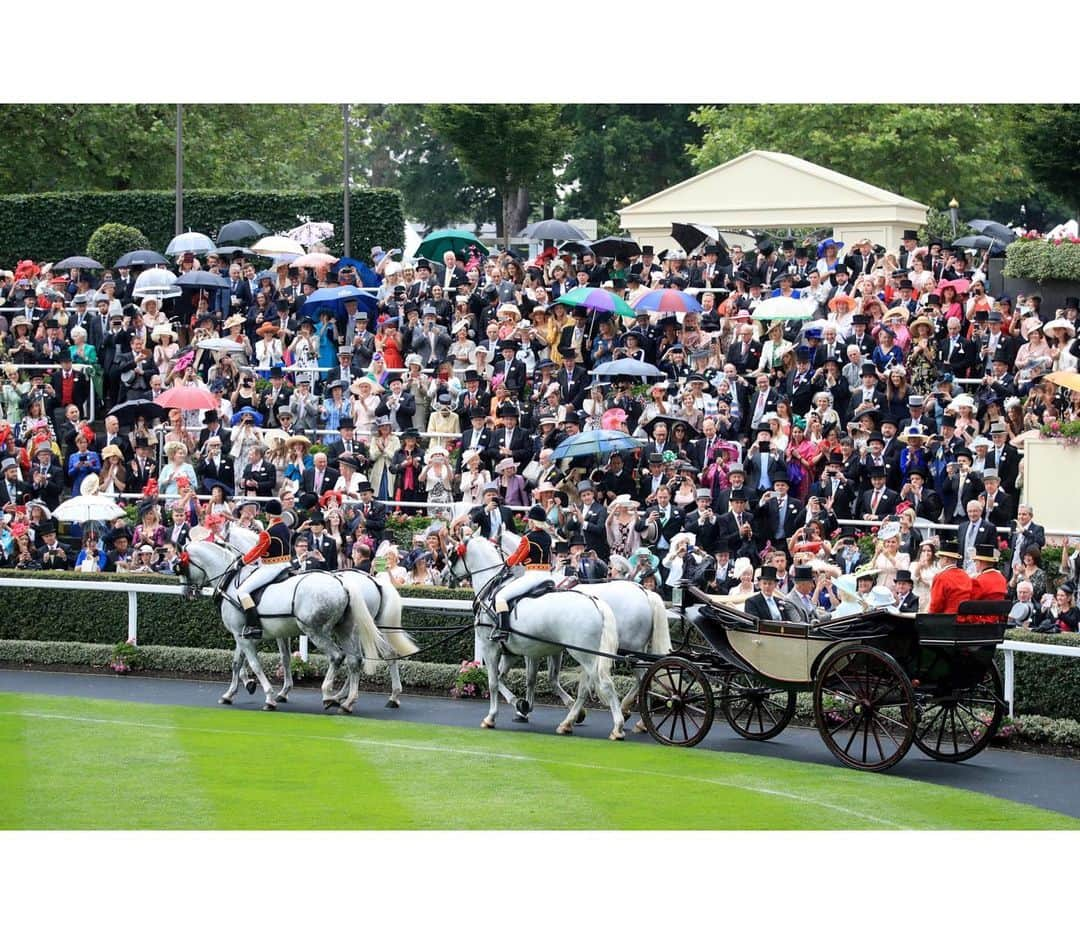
881 681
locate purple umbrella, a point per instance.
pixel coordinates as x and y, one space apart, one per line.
669 301
598 300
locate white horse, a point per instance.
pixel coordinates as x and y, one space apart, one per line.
317 605
383 604
540 627
640 618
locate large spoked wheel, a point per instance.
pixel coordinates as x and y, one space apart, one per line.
753 708
864 707
956 726
676 702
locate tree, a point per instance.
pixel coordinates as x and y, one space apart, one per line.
625 151
116 147
930 153
400 150
1050 142
113 240
513 148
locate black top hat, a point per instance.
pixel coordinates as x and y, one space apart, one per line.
906 284
918 469
803 573
787 244
571 418
45 527
868 370
835 457
511 344
1072 301
765 248
507 409
410 432
987 552
933 299
877 470
860 319
904 574
477 413
317 518
802 352
346 422
208 419
875 437
909 235
738 495
768 573
948 422
801 253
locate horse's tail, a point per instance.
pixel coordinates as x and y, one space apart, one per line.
609 641
660 645
401 643
372 643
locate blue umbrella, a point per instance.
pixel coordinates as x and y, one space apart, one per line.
334 298
597 442
247 411
366 275
627 367
668 301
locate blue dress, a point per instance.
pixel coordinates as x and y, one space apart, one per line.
327 335
78 470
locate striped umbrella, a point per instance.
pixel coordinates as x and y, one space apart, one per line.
598 300
668 300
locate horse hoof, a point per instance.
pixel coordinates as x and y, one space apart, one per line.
519 719
224 700
251 685
282 698
269 706
564 729
640 728
392 704
487 723
346 708
329 703
580 719
616 735
523 707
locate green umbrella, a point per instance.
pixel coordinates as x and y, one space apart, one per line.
599 300
437 243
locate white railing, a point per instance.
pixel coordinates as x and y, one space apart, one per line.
1012 647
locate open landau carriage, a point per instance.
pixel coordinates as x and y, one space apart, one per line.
880 680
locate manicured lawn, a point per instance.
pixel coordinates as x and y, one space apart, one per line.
79 764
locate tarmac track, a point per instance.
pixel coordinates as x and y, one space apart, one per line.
1044 781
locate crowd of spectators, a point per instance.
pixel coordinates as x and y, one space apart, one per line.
447 392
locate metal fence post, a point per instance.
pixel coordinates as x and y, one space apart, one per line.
1010 678
133 617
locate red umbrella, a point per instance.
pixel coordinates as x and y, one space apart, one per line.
187 397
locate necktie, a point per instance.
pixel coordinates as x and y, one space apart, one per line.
874 501
780 504
318 479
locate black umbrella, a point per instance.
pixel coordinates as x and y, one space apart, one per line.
980 242
78 262
142 258
231 250
241 230
619 248
552 229
994 230
200 279
576 247
671 422
128 412
692 236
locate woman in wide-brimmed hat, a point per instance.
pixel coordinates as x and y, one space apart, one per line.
113 474
622 537
176 470
268 349
922 356
165 348
1060 334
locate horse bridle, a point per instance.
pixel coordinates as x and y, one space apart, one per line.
217 582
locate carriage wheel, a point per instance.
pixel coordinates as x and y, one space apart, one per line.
959 725
676 702
864 707
754 709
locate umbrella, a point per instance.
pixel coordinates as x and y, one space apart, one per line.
275 244
187 397
128 412
240 230
1066 378
312 232
200 279
552 229
596 442
993 230
220 344
619 248
670 422
78 262
159 283
960 285
256 416
783 308
627 367
366 275
981 242
438 242
599 300
334 298
312 260
691 236
576 247
668 300
88 509
229 251
191 242
142 258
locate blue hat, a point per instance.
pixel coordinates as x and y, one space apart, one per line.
247 411
1005 298
829 242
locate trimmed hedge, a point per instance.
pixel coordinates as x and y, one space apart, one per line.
165 620
59 224
1048 686
422 676
1042 260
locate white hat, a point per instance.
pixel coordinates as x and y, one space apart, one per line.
742 563
1060 323
881 596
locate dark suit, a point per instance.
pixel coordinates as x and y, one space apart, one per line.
51 486
756 606
886 506
223 472
745 357
307 482
520 446
709 535
19 494
80 389
954 493
1009 469
984 535
1001 510
326 546
480 518
657 529
768 520
959 356
1034 535
371 518
264 477
513 373
593 528
137 477
102 439
572 386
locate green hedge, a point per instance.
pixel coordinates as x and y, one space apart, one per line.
421 676
1042 260
1047 685
165 620
55 225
